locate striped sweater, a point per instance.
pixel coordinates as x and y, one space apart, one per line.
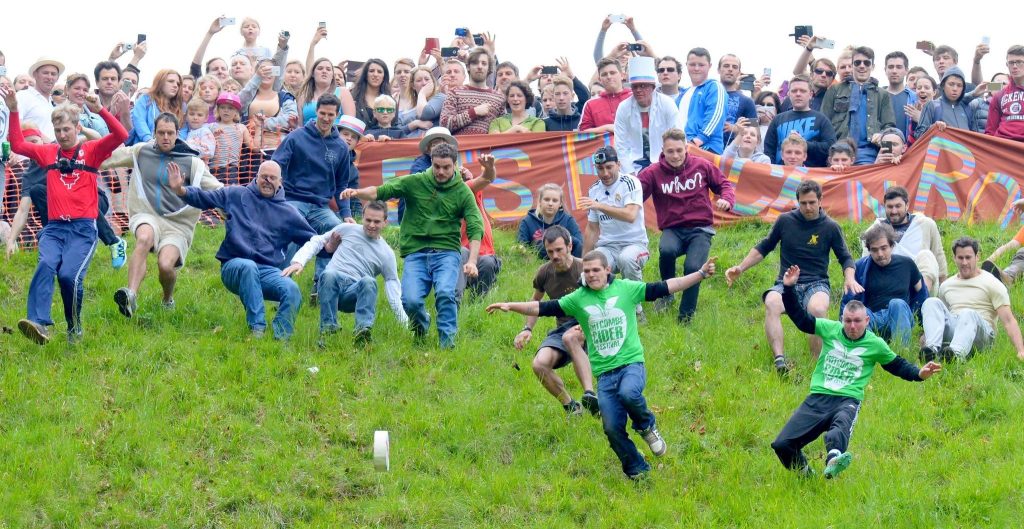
458 114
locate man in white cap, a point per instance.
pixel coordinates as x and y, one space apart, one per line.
35 102
643 118
351 129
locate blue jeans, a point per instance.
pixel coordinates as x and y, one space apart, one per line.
65 249
440 270
893 323
620 393
254 283
341 292
695 244
322 220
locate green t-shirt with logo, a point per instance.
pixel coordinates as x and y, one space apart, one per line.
608 319
845 365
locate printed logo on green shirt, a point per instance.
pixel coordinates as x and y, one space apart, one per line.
842 367
607 327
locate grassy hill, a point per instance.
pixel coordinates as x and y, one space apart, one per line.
179 419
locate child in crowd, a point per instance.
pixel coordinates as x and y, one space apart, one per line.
548 213
384 111
208 89
230 136
842 154
232 86
794 151
352 130
250 31
199 136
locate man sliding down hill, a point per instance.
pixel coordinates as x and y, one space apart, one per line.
605 309
838 382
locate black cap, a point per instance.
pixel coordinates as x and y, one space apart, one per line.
605 154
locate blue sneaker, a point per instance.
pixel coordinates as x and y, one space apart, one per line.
118 253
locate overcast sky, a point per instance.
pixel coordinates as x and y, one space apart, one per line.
528 32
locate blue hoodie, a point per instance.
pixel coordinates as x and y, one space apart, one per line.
258 228
705 117
314 168
531 231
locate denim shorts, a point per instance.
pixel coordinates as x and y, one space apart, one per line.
804 291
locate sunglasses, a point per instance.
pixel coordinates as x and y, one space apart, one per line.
826 73
58 93
862 62
385 110
667 70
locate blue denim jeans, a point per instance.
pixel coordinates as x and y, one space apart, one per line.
440 270
254 283
322 220
894 322
341 292
620 393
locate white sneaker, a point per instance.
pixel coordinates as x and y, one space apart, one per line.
655 441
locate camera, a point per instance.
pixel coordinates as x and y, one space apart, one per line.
65 166
478 39
635 47
747 82
461 32
450 52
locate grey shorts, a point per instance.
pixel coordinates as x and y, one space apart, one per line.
804 291
554 341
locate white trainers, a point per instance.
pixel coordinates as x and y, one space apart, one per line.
655 441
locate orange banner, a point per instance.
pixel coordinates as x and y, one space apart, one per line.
952 175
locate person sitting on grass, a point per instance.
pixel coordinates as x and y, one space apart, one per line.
838 383
604 308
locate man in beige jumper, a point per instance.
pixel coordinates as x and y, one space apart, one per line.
161 221
917 237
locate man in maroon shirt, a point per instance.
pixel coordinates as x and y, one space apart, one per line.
1006 113
68 241
678 186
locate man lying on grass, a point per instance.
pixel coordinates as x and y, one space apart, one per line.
605 309
838 382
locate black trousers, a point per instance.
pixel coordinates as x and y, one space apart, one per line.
834 416
104 231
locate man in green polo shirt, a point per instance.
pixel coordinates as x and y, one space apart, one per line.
838 382
436 201
605 309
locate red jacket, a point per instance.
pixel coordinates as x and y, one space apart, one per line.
1006 113
71 196
601 110
680 194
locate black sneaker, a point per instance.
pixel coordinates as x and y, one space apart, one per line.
590 403
991 268
947 354
781 366
34 331
928 354
362 336
573 409
126 303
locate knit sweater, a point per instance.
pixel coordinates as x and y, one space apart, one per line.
458 114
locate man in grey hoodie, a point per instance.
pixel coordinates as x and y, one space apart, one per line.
949 109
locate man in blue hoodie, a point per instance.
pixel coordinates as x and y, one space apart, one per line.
702 107
316 167
260 226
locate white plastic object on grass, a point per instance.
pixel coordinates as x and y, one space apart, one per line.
381 451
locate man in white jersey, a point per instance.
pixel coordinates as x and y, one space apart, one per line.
349 282
615 222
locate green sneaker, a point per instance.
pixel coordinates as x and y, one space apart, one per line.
838 464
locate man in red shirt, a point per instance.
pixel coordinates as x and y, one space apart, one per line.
598 114
68 241
1006 113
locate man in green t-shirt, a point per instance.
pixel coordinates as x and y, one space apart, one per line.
605 309
838 382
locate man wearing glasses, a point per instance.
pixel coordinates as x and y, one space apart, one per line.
669 71
642 119
858 109
823 73
1006 114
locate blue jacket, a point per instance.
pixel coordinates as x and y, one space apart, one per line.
144 115
531 231
314 168
258 228
860 273
705 118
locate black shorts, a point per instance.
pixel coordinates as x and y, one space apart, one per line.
554 341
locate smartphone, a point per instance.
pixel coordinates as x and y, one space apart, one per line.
3 70
549 70
286 34
800 31
227 21
141 38
617 19
431 43
635 47
747 82
994 87
461 32
126 87
321 25
886 146
925 45
352 69
450 52
985 40
478 39
275 71
767 72
827 44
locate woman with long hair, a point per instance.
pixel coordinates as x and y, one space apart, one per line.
164 96
426 114
371 81
403 74
320 81
265 110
